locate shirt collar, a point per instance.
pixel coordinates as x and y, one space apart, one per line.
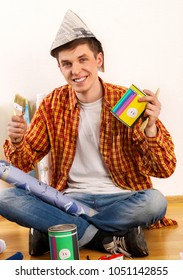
72 98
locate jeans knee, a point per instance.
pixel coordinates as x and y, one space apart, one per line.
158 202
3 194
7 198
156 206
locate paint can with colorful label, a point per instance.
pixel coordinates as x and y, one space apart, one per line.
63 242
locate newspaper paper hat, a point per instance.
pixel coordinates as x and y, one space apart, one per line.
72 28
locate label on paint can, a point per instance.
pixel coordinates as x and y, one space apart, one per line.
63 242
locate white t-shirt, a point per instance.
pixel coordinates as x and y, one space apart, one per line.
88 173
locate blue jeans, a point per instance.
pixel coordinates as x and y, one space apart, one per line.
116 212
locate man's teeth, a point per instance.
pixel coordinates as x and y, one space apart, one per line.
79 80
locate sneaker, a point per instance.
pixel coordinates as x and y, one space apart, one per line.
38 242
132 244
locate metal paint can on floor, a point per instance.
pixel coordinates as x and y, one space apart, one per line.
63 242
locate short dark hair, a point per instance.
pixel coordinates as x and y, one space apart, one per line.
94 45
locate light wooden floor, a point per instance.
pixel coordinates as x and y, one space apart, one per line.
163 244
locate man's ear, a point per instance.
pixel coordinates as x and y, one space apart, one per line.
100 61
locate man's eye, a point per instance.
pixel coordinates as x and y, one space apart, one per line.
66 64
83 60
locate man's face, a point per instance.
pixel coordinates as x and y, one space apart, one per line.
79 67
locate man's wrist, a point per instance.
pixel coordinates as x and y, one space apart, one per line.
16 141
151 131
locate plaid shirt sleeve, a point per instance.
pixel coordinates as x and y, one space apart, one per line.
33 147
157 153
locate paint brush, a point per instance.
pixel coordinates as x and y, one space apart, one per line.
19 105
144 124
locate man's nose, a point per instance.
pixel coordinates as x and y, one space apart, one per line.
76 68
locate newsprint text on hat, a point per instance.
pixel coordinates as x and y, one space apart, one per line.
72 28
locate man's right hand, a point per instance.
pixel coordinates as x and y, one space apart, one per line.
16 129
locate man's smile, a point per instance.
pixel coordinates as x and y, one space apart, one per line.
79 80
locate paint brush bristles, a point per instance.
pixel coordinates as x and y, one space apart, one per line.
19 105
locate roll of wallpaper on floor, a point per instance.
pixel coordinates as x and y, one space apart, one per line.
22 180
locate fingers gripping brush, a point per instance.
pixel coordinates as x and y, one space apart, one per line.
144 124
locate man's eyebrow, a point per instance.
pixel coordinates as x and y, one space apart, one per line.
80 56
64 60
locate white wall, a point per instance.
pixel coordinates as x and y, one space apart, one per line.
143 43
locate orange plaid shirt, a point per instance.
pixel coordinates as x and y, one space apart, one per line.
129 155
